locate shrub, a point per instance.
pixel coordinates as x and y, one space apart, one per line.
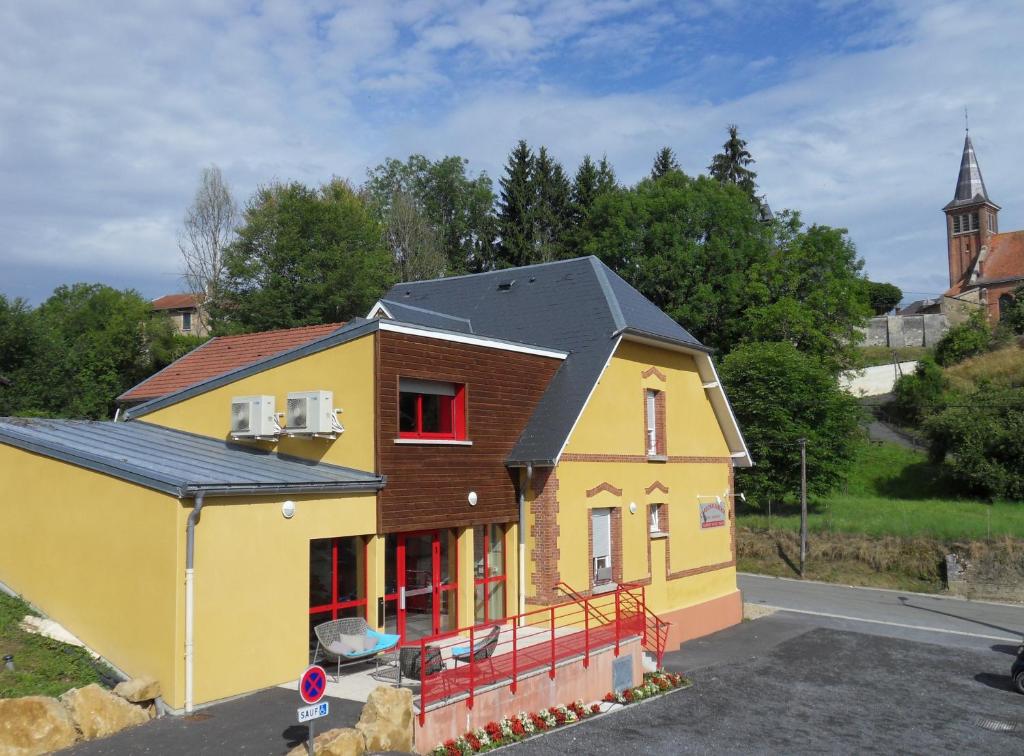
971 337
917 394
981 440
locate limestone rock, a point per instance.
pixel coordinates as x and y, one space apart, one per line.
386 721
98 713
138 689
342 741
33 725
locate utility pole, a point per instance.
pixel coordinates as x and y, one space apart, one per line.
803 504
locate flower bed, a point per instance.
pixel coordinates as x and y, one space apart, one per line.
521 726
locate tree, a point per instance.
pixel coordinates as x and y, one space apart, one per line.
731 165
413 242
970 338
664 162
808 292
304 256
606 179
208 228
883 297
688 245
552 209
1013 316
516 208
458 207
918 394
19 347
779 396
584 191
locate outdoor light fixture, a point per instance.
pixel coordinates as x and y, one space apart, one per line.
632 507
288 509
472 498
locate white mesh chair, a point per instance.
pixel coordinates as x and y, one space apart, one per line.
350 640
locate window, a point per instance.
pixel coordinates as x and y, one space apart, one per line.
992 227
1005 303
431 409
956 224
654 413
337 580
601 532
186 321
489 572
654 518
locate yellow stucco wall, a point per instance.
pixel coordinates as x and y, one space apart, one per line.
252 587
346 369
101 556
607 446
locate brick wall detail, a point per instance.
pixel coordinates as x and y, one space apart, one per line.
606 486
544 509
652 370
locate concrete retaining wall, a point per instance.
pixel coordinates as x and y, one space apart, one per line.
905 330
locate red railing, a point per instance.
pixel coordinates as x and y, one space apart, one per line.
655 637
461 662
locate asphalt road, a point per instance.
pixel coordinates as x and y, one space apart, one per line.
922 616
792 684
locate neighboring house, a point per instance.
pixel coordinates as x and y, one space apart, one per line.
489 443
985 266
185 313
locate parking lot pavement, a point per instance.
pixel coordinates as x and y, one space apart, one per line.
263 724
785 684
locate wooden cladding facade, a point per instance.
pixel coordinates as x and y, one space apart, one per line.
428 484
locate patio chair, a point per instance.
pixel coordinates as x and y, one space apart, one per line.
349 640
482 649
412 666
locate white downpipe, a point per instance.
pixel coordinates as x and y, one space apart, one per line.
190 540
522 539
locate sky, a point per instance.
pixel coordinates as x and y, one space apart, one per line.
853 110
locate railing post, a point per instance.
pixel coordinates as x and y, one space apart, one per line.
515 669
618 619
423 682
551 674
586 633
472 651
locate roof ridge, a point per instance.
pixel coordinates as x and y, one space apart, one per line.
467 321
293 329
492 272
614 307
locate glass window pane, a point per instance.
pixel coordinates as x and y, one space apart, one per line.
391 617
449 556
479 592
496 556
320 572
448 618
478 551
390 563
314 620
431 413
496 600
351 569
407 412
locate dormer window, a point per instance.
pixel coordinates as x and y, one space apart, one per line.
431 410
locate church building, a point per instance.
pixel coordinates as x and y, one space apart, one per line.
985 266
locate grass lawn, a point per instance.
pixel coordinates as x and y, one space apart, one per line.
896 491
42 666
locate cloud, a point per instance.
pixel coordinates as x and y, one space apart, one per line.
853 111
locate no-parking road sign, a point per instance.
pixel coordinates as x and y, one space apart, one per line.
313 684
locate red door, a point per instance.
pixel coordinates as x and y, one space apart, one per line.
423 587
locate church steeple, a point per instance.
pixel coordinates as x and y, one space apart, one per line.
971 217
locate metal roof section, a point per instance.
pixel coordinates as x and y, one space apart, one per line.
410 314
970 186
178 463
579 306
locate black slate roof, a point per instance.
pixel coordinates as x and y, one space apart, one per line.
178 463
579 306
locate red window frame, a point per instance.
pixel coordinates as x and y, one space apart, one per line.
456 407
487 579
335 606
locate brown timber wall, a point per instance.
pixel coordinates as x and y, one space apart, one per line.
427 485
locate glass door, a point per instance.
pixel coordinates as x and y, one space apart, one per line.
416 597
421 586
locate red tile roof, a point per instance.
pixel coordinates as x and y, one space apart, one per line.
1005 258
221 354
174 302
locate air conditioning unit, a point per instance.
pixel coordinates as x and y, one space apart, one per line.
254 417
311 413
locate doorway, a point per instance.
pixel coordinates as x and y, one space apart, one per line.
421 584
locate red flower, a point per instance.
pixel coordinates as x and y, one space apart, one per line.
474 741
517 727
595 708
539 723
493 730
628 694
557 714
609 697
451 749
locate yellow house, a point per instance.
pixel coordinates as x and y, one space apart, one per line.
477 447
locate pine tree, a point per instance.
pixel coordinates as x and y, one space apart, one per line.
516 208
552 194
664 162
606 180
584 190
730 165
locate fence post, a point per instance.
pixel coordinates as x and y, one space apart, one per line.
423 681
551 674
586 633
618 619
472 652
515 643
